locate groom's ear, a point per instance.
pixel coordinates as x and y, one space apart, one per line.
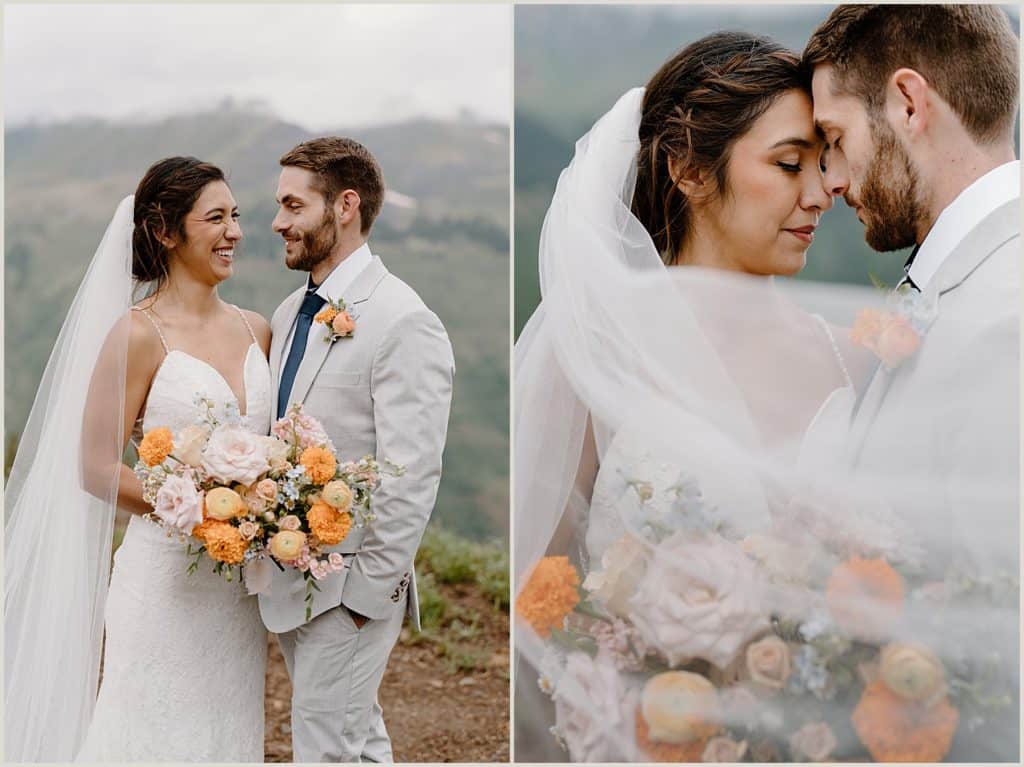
347 207
907 102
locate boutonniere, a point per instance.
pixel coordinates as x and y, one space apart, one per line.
895 333
339 321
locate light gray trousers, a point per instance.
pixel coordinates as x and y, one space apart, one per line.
336 671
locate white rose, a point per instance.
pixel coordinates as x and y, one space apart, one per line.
235 455
700 598
190 443
277 453
623 565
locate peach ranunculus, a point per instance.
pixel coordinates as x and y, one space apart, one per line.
897 341
723 749
156 445
623 564
700 598
337 494
768 663
287 545
190 443
234 454
866 597
679 707
320 464
343 324
912 671
179 504
814 742
223 503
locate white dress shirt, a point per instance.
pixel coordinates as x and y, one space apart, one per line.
333 288
998 186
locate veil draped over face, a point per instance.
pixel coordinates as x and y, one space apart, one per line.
690 497
60 503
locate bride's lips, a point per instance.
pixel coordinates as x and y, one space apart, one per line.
226 255
803 233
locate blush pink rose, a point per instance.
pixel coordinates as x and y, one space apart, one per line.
897 341
343 324
814 742
235 455
699 598
768 663
290 522
179 504
267 490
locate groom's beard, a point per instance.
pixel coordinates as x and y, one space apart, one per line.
316 246
890 194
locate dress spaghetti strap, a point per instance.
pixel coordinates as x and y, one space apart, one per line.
156 325
246 321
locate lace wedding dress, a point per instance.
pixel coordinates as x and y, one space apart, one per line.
185 655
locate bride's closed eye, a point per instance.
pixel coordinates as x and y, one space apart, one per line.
789 167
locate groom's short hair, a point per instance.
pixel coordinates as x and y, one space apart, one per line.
338 164
967 53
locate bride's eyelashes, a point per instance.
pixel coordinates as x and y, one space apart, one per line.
790 167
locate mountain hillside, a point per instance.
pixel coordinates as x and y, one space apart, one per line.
444 230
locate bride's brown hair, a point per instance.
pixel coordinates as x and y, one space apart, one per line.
163 198
699 102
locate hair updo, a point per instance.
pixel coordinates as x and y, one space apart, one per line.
699 102
163 198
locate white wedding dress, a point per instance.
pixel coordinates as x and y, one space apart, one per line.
185 655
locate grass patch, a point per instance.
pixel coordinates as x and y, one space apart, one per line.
453 559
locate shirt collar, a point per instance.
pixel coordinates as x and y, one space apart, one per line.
344 274
970 207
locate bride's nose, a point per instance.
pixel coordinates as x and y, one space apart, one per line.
234 231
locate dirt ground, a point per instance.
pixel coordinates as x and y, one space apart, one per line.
433 712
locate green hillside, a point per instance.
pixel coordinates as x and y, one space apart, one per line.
64 181
572 64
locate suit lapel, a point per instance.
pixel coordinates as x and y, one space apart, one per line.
997 228
359 292
290 310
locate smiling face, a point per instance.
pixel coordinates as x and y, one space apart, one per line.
305 221
867 165
765 220
211 232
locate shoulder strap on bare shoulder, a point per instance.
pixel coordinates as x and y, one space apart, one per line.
247 325
155 324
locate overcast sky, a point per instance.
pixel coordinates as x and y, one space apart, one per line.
320 66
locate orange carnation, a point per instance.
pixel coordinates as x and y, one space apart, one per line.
328 524
657 751
549 595
898 730
224 542
865 597
320 464
156 446
326 315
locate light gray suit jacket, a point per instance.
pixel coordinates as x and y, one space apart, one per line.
949 414
386 391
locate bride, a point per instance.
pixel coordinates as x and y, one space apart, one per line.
682 486
183 656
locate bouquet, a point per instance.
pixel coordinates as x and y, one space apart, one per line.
691 642
251 502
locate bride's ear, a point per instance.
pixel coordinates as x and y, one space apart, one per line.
688 179
167 241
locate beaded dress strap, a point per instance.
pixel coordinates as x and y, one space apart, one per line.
835 348
246 321
156 325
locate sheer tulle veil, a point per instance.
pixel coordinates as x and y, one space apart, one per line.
60 502
730 382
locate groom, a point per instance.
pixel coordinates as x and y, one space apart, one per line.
385 390
917 105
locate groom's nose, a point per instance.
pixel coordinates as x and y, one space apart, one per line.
277 225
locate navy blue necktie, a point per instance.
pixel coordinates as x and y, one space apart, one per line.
311 304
